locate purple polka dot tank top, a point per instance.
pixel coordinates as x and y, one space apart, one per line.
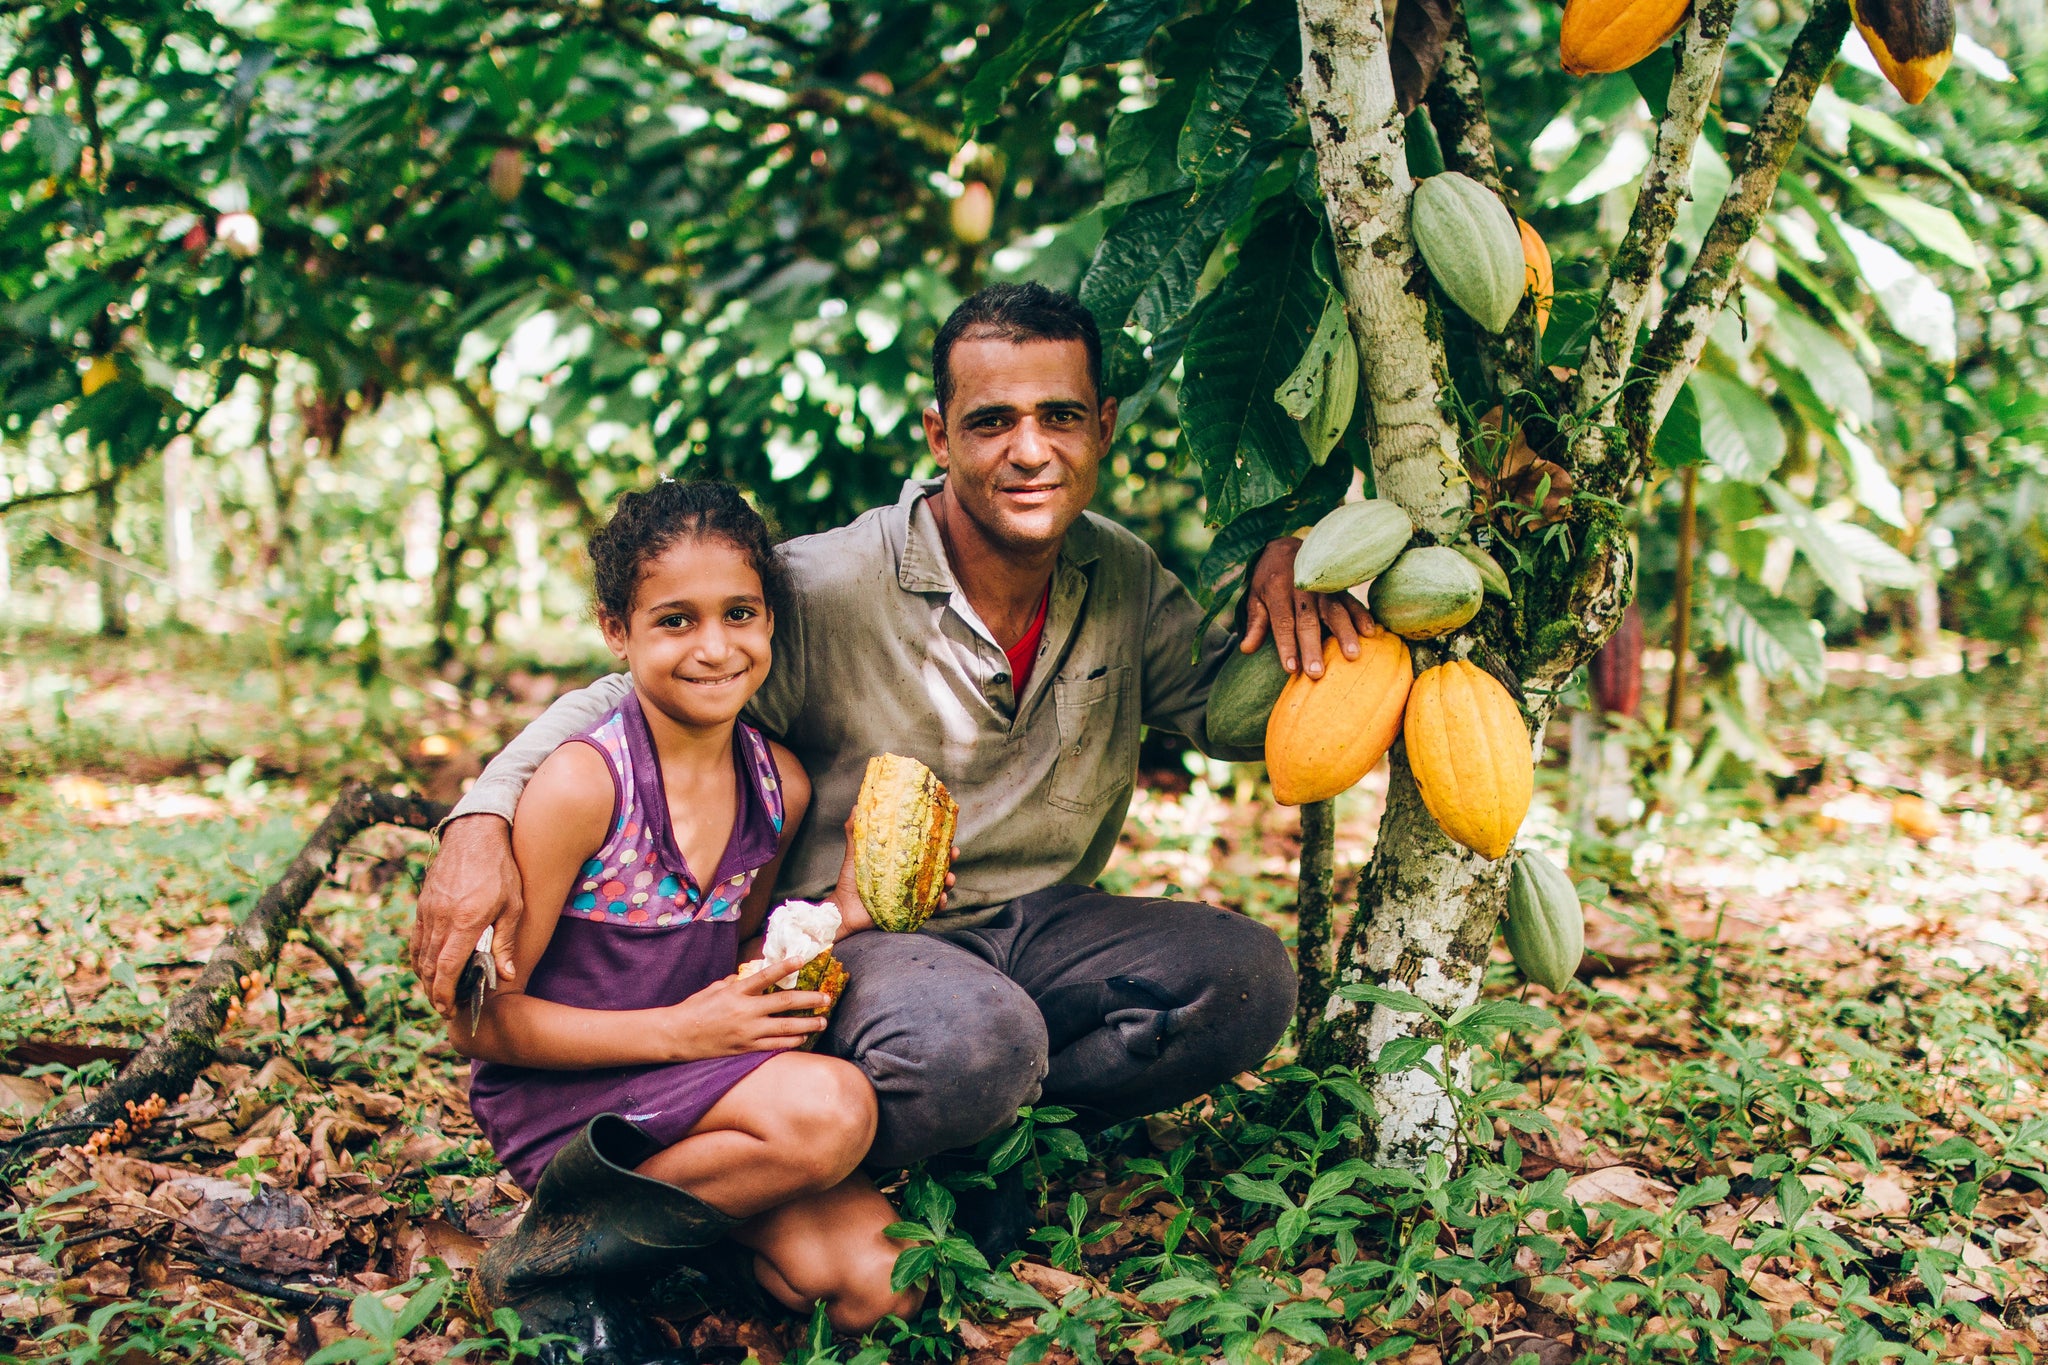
639 931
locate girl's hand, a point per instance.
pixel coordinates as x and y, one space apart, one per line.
853 912
744 1014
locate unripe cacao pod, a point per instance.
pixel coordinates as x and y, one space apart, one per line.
1468 749
1616 674
507 173
1613 35
1429 591
1327 733
973 214
1354 543
903 823
1911 39
1469 242
1491 575
1241 699
102 372
1541 279
1545 927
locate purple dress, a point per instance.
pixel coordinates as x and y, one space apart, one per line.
638 932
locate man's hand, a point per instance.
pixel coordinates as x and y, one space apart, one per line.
1297 618
473 884
853 911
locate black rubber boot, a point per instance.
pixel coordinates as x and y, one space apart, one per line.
595 1235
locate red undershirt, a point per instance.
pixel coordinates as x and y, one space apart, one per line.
1024 653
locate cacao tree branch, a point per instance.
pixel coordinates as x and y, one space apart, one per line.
1362 166
1640 259
1681 335
1312 914
188 1042
1457 110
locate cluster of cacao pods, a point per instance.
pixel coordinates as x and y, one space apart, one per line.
1912 40
1467 744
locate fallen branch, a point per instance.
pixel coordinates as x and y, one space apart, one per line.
1681 334
189 1041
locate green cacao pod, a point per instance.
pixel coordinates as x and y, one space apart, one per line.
1545 928
1428 592
1243 695
1491 575
1472 247
903 823
1352 544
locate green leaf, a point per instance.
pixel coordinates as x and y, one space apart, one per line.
1870 483
1777 638
1148 265
370 1313
1917 308
1241 101
1237 544
1119 33
1930 225
1140 151
1876 562
1837 379
1249 450
1046 26
1806 531
1321 391
1738 430
1677 444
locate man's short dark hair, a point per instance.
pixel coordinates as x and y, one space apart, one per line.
1016 313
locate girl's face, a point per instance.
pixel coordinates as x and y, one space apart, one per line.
697 642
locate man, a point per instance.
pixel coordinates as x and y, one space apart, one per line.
991 626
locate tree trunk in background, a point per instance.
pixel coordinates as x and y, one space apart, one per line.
113 582
1681 601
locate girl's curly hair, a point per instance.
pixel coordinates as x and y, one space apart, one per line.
644 525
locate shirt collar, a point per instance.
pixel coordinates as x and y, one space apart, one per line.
922 566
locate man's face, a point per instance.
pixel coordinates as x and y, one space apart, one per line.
1022 438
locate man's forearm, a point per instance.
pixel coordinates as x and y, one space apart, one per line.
497 791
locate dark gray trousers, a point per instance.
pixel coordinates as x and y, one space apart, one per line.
1114 1006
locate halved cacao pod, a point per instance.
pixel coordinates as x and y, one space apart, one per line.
1911 39
1613 35
1326 733
1616 674
1536 263
1469 751
903 824
1546 927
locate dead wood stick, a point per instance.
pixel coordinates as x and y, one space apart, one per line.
189 1041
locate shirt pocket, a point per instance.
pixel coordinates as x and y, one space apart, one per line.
1098 755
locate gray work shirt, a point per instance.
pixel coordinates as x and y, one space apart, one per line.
880 653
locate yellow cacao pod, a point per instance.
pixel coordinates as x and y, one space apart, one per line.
1613 35
102 372
1911 39
1326 733
1469 751
1536 263
903 825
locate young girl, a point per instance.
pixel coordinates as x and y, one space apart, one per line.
648 848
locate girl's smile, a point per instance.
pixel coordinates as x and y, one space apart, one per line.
697 641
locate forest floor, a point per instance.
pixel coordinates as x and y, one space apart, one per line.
1790 1110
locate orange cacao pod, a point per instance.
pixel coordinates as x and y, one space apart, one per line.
1542 282
1613 35
1326 733
1469 751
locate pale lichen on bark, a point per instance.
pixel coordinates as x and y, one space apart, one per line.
1640 257
1361 159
